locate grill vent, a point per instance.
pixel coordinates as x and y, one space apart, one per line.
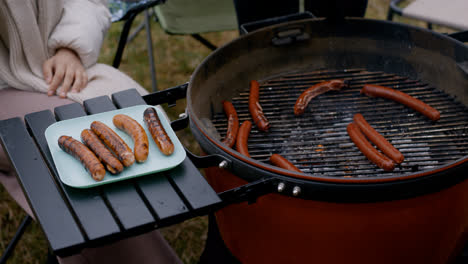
317 142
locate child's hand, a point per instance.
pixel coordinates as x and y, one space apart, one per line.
64 68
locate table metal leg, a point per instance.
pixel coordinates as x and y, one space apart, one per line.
215 250
150 51
11 246
51 258
123 40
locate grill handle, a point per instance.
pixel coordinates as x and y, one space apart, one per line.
249 192
169 95
212 160
289 34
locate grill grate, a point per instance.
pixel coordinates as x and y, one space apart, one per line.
317 142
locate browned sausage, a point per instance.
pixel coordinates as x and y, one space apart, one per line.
82 153
378 140
403 98
282 162
255 109
114 142
137 132
91 140
156 129
233 124
315 90
243 137
368 150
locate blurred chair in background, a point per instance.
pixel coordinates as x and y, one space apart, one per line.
188 17
448 13
181 17
127 10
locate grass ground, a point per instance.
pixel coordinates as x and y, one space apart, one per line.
176 58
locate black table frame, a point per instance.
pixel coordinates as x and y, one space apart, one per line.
73 219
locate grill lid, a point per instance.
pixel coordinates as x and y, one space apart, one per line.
317 142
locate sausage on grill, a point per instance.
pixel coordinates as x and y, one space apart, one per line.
138 134
243 137
314 91
82 153
91 140
255 108
233 124
114 142
282 162
376 138
368 150
157 131
401 97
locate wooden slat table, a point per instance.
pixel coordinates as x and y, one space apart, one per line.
73 219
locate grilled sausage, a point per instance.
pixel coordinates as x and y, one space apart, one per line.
138 134
233 124
91 140
378 140
403 98
114 142
82 153
368 150
255 109
243 137
315 90
282 162
156 129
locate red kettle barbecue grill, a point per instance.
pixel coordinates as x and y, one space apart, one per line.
342 209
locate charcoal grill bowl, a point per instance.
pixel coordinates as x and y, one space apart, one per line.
413 218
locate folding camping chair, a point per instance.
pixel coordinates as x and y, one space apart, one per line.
127 10
188 17
448 13
184 17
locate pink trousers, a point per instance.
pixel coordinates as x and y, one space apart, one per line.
147 248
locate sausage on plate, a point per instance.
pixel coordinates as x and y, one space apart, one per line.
376 138
243 137
282 162
233 124
138 134
256 110
314 91
401 97
82 153
91 140
157 131
114 142
368 150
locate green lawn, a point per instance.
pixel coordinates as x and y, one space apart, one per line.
176 57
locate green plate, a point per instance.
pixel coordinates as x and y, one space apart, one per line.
74 174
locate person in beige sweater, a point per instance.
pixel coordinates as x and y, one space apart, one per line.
48 57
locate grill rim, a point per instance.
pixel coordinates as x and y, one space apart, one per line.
333 179
240 101
214 145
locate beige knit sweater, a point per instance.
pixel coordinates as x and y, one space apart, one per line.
32 30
